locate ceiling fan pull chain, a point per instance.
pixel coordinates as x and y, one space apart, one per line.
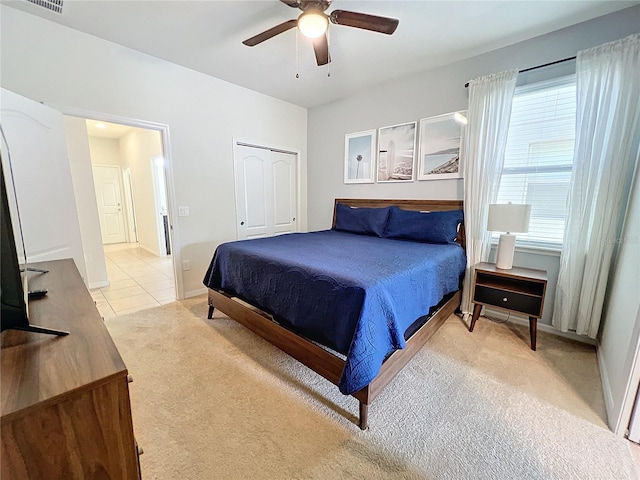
297 57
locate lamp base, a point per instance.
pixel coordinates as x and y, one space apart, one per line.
506 247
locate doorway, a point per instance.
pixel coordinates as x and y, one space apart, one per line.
131 195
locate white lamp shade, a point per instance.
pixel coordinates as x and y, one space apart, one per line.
313 23
509 217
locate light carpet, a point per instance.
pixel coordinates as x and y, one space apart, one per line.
211 400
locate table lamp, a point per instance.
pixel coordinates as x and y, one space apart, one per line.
510 218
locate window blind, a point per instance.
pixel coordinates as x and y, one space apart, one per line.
539 157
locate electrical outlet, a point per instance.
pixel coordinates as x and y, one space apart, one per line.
186 265
183 211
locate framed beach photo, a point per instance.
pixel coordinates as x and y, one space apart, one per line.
359 157
396 152
440 140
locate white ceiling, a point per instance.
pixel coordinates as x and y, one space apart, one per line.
206 36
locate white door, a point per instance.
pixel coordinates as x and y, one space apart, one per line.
283 171
35 142
634 423
106 179
266 189
160 199
132 230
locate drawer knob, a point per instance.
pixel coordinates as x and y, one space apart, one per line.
129 378
504 299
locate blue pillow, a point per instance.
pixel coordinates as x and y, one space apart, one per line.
368 221
431 227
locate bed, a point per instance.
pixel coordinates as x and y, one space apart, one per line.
351 303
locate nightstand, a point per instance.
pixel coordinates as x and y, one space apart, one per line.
519 290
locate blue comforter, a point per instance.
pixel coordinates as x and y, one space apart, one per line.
355 294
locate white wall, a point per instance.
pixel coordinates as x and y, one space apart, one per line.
620 329
137 149
105 151
429 93
84 191
71 70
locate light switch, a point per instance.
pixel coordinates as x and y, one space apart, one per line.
183 211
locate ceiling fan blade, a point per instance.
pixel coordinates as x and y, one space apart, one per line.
365 21
321 49
272 32
291 3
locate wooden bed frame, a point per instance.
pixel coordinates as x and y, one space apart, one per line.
322 361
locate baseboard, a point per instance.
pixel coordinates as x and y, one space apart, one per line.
543 327
195 293
152 252
606 388
104 283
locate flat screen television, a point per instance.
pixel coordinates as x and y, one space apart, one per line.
13 289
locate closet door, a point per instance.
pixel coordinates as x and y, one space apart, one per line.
265 181
283 175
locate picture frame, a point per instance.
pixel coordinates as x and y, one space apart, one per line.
440 141
359 156
397 152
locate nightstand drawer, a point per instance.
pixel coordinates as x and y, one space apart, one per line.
529 304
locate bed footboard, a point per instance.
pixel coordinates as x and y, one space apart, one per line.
322 361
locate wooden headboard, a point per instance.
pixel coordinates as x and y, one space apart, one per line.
417 205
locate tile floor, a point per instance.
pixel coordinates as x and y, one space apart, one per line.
138 280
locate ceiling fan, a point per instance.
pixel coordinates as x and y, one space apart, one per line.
313 23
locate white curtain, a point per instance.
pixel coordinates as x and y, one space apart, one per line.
490 100
605 157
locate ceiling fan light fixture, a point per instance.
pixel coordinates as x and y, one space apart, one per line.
313 23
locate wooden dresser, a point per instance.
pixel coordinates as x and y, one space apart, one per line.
65 400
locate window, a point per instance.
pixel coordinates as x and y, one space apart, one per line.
539 156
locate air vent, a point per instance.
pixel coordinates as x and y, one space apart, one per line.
53 5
